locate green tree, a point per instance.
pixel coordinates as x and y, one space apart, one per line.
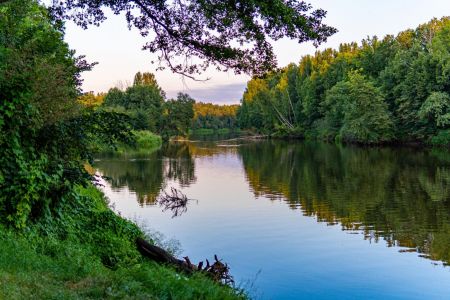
320 98
437 109
143 102
115 97
366 118
177 116
45 132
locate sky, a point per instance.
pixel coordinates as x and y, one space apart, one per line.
118 49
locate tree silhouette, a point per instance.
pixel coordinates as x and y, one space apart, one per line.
192 35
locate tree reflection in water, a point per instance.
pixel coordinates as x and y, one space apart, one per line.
148 175
400 195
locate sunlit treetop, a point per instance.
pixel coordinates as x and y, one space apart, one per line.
192 35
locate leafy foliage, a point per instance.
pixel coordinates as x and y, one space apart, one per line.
91 100
88 252
142 102
437 108
214 116
45 132
391 90
145 104
225 34
365 115
177 116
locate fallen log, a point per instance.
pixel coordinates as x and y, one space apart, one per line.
160 255
218 271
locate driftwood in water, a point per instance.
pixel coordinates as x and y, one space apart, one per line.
218 271
176 202
161 256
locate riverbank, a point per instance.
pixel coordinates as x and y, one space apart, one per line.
87 251
441 141
209 131
146 142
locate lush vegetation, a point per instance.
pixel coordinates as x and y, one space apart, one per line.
92 100
146 105
88 252
214 116
144 143
392 90
59 238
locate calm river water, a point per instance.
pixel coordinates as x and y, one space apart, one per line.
301 220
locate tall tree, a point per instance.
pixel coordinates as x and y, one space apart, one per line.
145 78
177 116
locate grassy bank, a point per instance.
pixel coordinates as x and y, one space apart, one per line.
146 142
88 252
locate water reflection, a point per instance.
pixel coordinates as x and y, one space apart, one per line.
147 175
178 163
399 195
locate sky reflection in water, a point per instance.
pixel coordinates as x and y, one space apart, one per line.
307 220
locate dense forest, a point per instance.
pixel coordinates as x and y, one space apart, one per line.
214 116
146 105
396 89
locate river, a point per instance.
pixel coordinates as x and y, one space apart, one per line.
300 220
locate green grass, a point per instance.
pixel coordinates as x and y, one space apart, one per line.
146 143
88 252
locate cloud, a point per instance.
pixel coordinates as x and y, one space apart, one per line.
219 94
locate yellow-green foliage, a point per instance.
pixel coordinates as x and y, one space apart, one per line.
204 109
92 100
214 116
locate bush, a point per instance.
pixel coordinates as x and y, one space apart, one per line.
147 140
442 138
86 251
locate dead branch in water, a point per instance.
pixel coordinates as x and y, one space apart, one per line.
175 201
218 271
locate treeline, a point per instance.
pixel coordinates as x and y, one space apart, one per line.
214 116
146 105
392 90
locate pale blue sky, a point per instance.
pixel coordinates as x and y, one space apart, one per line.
119 54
